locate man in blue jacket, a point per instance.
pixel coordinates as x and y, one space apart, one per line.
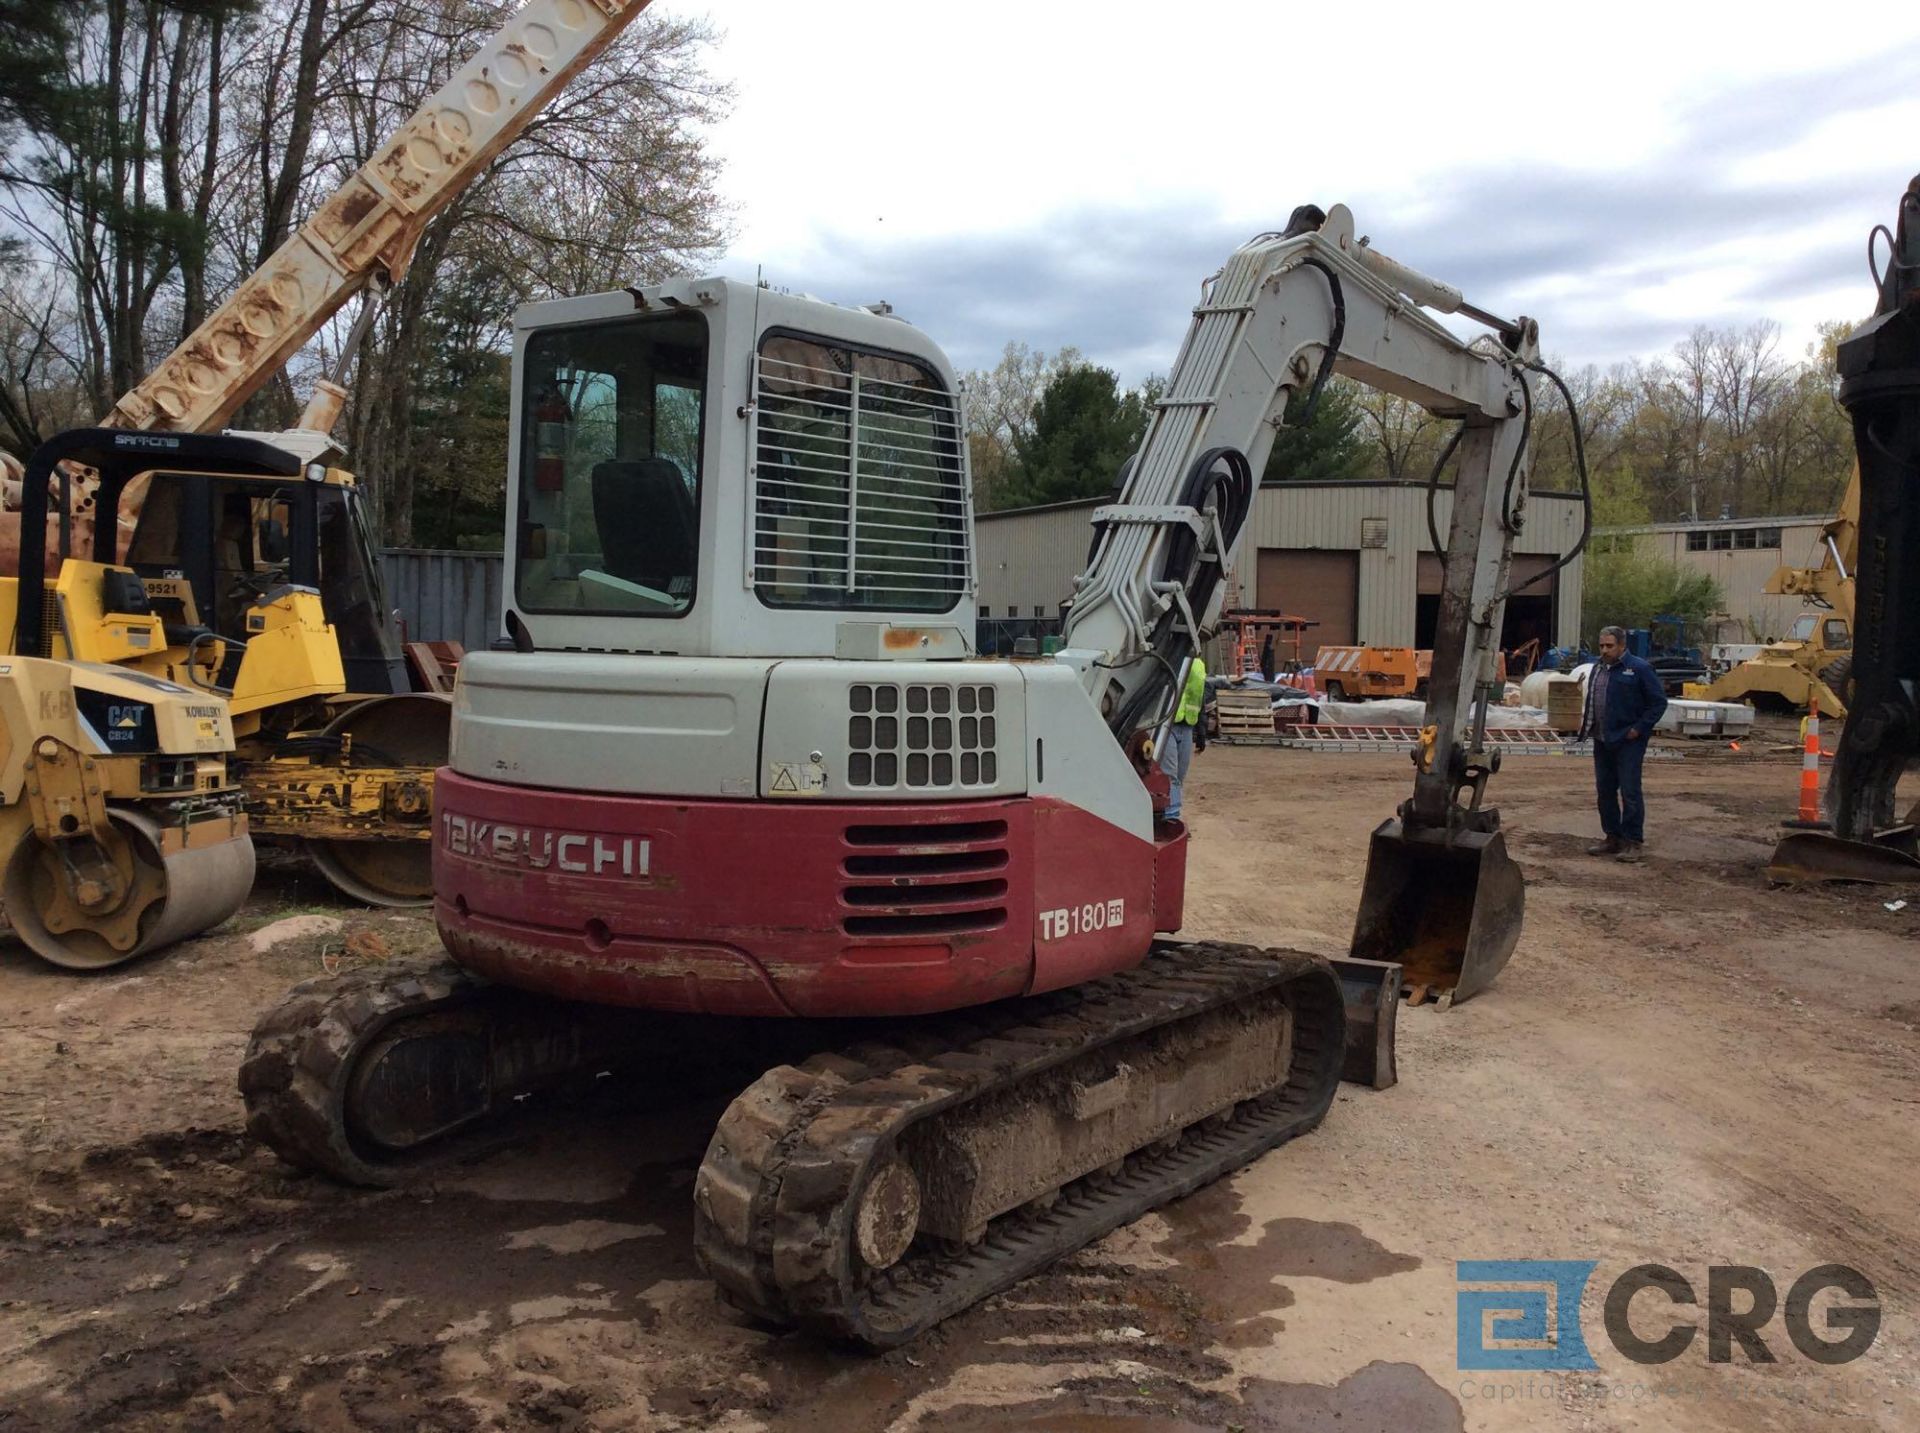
1624 700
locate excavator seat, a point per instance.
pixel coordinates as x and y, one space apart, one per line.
648 527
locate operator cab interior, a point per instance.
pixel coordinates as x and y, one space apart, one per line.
233 542
610 467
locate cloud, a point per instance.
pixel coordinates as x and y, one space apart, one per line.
1712 228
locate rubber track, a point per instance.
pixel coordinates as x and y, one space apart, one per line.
776 1194
301 1055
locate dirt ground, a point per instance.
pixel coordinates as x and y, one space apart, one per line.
1680 1066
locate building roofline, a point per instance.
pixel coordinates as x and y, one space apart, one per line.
1265 487
1717 524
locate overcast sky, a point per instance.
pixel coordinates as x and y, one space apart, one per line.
1066 173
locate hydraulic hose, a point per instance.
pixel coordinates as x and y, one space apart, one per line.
1225 477
1332 350
1586 485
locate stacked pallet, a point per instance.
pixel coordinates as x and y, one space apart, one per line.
1244 716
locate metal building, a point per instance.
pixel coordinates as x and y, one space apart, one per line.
1740 554
1353 557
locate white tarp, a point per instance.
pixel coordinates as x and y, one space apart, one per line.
1407 712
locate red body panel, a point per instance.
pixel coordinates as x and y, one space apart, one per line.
788 908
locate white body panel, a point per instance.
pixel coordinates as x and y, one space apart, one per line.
747 728
638 726
1082 764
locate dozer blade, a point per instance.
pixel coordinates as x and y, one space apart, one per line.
1447 910
1823 856
1370 989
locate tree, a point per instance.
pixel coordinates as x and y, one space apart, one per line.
1000 404
1327 447
41 392
110 164
1406 438
461 395
1084 427
153 152
1626 588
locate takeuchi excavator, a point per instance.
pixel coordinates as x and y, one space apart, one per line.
237 566
742 766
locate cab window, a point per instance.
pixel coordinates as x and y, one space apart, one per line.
612 418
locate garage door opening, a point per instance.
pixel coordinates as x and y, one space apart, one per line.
1529 614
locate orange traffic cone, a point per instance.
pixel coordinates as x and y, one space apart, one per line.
1809 817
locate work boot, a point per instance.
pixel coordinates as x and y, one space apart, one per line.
1608 847
1629 852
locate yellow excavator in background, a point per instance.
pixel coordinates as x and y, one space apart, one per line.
237 568
1812 662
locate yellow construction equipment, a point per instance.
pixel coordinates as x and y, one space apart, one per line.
1812 663
250 552
249 580
120 828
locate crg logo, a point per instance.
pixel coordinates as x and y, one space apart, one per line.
576 852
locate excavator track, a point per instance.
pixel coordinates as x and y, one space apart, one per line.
381 1075
298 1072
814 1202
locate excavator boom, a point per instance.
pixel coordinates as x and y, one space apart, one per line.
369 228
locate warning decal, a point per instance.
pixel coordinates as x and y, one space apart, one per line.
796 778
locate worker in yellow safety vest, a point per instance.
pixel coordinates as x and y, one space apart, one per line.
1186 735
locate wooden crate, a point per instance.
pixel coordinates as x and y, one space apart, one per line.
1243 714
1565 703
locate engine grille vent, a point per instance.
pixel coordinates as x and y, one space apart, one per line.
921 736
925 880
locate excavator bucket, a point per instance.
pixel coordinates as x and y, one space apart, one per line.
1888 860
1446 908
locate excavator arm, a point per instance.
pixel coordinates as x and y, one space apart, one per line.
367 231
1831 583
1286 312
1880 388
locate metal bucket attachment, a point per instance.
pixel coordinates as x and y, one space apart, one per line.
1823 856
1447 910
1370 989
